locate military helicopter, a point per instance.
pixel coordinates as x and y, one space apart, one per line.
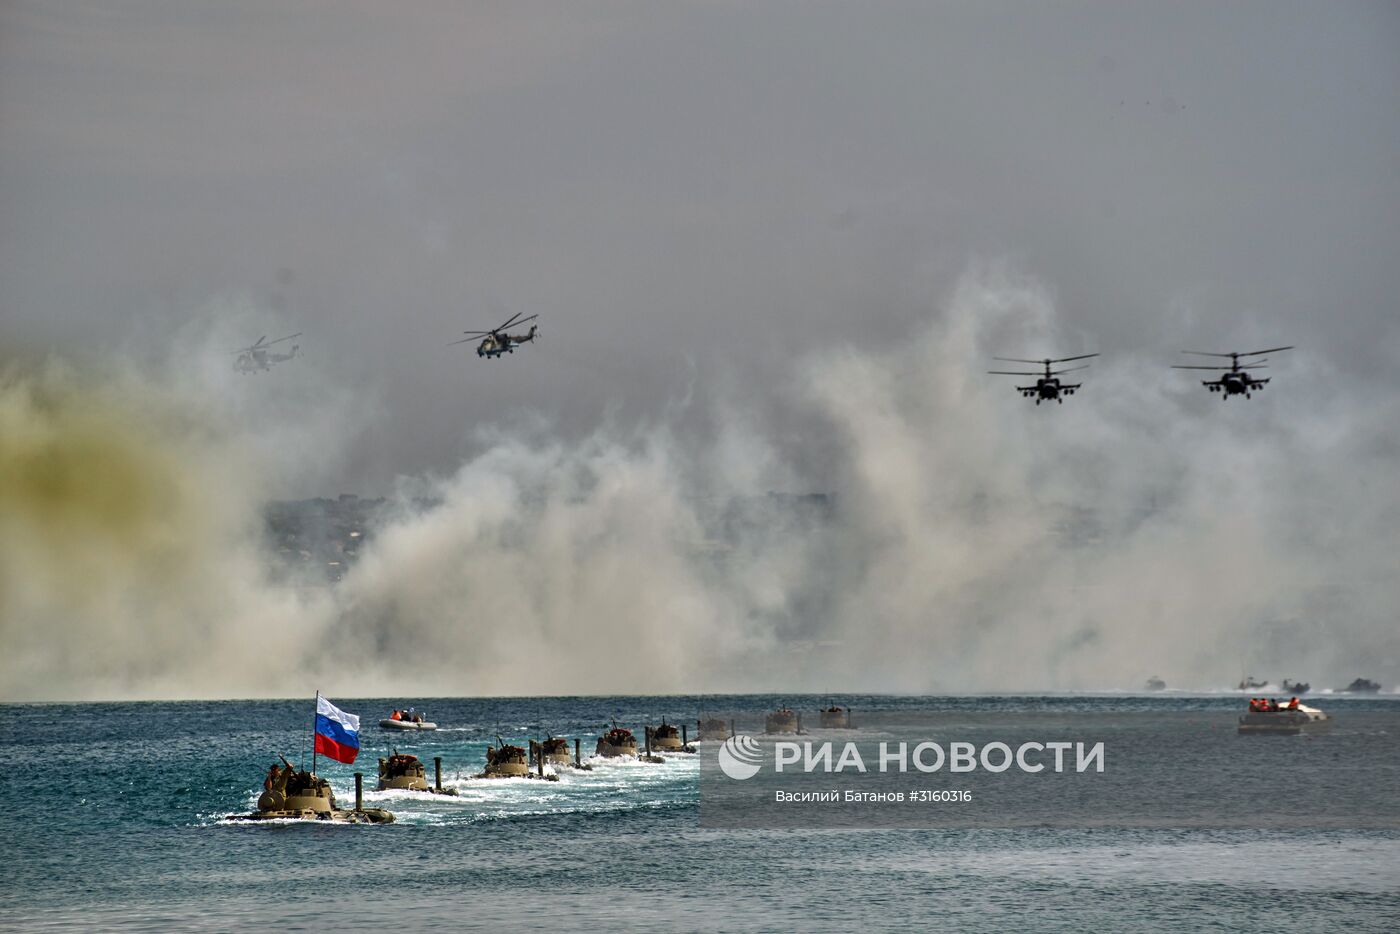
496 342
258 357
1235 382
1047 387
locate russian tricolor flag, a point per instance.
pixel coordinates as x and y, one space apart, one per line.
337 732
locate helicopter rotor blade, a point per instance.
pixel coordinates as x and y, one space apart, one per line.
1255 353
523 320
475 334
1022 360
1178 366
1069 369
1207 353
1013 373
1085 356
281 339
509 321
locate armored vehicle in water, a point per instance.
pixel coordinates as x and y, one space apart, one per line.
506 761
711 728
667 738
289 794
553 749
836 718
617 741
783 720
406 773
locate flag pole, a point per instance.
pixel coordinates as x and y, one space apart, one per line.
313 732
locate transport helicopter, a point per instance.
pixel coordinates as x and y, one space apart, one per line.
258 358
1235 381
496 341
1047 387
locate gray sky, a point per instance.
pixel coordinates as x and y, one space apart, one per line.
688 193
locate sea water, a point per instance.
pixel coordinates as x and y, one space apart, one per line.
115 817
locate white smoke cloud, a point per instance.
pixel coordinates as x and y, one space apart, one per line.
971 540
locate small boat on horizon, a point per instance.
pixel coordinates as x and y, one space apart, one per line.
406 720
1268 717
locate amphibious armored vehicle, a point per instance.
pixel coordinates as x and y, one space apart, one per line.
711 728
836 718
297 795
666 738
783 720
506 761
405 772
554 750
618 741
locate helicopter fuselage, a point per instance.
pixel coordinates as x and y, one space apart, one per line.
261 360
493 345
1235 383
252 362
1048 388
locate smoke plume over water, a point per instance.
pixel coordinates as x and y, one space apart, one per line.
968 541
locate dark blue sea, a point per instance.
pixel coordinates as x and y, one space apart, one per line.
115 817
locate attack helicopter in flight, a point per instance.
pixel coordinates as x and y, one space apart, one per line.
1235 381
1048 386
496 341
258 357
